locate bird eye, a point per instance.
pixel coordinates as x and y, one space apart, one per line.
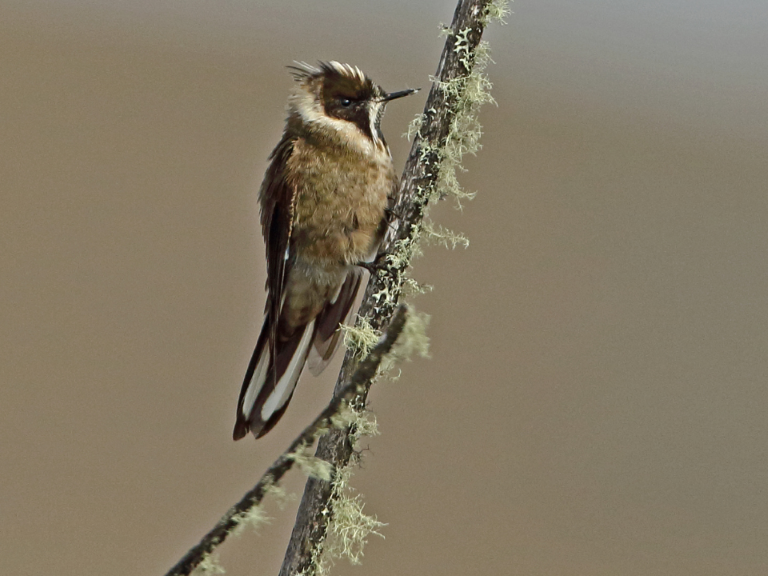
346 102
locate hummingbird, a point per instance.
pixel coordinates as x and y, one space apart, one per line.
324 204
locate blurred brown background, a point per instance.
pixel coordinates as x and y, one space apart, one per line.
596 400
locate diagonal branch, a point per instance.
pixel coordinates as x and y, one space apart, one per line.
232 519
417 188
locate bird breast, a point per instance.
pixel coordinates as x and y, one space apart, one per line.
340 202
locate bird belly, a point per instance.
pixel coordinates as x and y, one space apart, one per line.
309 288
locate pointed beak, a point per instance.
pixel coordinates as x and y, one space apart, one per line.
396 95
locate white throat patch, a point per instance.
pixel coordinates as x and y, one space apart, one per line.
373 115
348 133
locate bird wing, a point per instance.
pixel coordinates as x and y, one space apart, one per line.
278 200
328 321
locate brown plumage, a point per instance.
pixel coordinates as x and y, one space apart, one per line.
323 203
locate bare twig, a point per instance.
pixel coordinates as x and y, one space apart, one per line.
365 372
417 187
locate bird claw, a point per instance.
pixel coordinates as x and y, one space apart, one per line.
373 267
391 215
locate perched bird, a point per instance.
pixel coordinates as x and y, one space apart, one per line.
323 214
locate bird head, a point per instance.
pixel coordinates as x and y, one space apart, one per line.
340 102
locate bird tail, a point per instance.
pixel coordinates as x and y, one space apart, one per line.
268 385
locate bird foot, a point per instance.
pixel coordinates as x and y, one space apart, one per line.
373 267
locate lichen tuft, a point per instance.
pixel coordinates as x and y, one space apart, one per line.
497 11
360 338
209 566
350 526
312 466
437 234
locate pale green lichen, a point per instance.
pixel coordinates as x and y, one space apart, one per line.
444 31
414 127
469 93
413 340
497 11
255 516
364 425
382 295
426 150
312 466
462 47
360 338
209 566
437 234
361 423
413 288
345 416
350 527
406 249
278 495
